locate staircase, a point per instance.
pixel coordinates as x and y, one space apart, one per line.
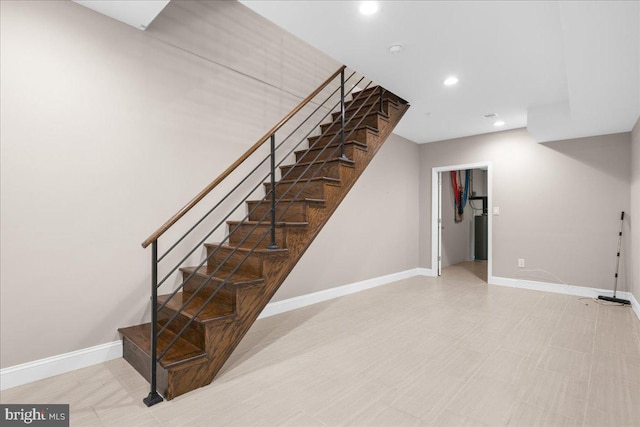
203 322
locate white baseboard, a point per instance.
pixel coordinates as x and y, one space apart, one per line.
56 365
560 288
63 363
60 364
283 306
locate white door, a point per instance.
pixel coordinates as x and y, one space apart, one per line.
439 223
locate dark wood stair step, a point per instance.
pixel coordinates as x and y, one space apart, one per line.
287 209
235 280
303 188
198 278
332 167
359 108
360 133
230 258
214 311
181 353
372 118
364 94
320 154
251 233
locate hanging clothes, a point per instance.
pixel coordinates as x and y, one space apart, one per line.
460 192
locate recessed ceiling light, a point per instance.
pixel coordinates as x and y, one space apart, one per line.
450 81
396 48
368 7
498 123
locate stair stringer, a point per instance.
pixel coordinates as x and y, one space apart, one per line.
223 338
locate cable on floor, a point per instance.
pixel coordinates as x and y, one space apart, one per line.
580 300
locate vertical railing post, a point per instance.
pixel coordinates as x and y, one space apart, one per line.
153 396
342 155
272 244
381 107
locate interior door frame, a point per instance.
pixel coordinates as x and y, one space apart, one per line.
436 213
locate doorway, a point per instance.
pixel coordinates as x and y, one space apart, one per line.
441 194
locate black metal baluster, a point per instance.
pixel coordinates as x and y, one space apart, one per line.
342 155
153 396
273 244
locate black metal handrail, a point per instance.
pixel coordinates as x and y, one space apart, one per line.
269 217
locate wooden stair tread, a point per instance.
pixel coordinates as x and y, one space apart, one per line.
358 144
347 162
259 251
357 101
328 179
386 95
182 352
267 223
359 112
347 132
239 278
302 200
214 310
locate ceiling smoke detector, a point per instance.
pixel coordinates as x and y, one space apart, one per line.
497 122
395 48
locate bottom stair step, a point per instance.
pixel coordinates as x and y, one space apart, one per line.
180 354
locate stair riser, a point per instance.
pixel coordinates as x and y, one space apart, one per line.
250 236
300 190
311 155
142 363
224 295
331 169
295 211
359 135
369 120
252 265
194 333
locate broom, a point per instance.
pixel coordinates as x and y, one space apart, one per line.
615 283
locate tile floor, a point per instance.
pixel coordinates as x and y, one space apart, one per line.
447 351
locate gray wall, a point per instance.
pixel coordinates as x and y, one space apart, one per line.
373 231
559 202
107 131
634 217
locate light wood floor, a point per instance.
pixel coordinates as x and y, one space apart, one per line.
450 351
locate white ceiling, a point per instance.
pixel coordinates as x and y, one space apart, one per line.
563 69
137 13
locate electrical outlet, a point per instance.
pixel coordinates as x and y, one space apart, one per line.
521 262
496 210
